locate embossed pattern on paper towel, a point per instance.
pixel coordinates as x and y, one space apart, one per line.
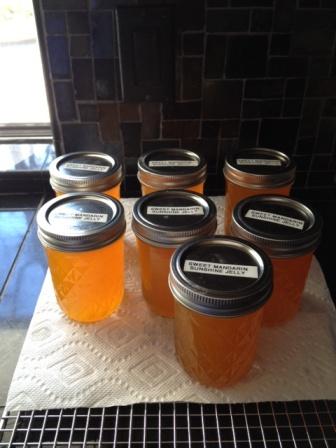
130 357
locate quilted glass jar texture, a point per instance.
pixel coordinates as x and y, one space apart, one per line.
83 236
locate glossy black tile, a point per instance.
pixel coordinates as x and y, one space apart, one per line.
192 78
105 71
65 101
312 42
326 136
80 46
215 56
222 99
230 128
330 108
150 113
227 20
174 129
261 20
190 15
78 22
264 88
64 4
263 108
295 87
280 44
81 137
321 87
287 66
19 201
88 112
193 43
103 33
284 15
249 130
59 57
159 144
55 22
109 122
279 133
131 134
210 129
83 79
310 116
292 107
181 111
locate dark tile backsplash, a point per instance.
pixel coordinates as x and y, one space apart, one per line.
247 72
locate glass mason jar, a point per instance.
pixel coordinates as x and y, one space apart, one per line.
289 232
80 172
82 235
220 285
161 222
255 171
167 169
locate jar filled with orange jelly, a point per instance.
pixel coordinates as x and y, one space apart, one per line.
80 172
220 286
289 232
83 238
161 222
167 169
255 171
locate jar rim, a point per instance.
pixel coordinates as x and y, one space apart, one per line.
193 173
259 168
187 215
94 176
193 292
274 226
79 222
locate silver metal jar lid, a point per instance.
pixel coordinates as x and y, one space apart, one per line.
78 222
221 276
259 168
171 168
172 217
281 226
85 171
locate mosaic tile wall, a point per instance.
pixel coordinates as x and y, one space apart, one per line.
247 72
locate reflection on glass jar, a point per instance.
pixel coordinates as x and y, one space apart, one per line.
289 232
81 172
161 222
167 169
255 171
83 238
220 286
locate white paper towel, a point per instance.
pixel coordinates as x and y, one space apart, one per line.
129 357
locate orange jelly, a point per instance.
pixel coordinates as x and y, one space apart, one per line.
83 239
255 171
86 171
161 222
172 168
289 232
220 286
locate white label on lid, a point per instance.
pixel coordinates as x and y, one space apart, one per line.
172 163
229 270
86 167
275 218
176 211
82 216
260 162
